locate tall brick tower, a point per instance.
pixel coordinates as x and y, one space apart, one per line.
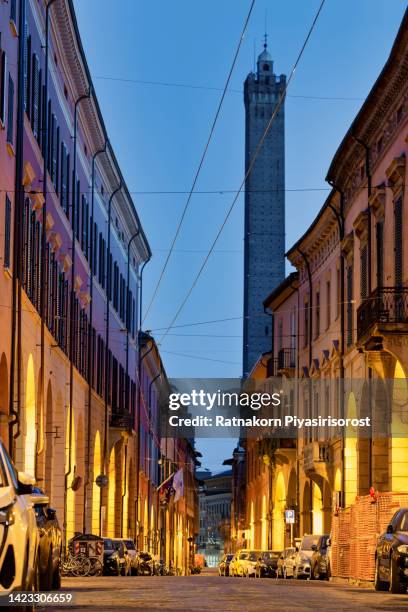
264 243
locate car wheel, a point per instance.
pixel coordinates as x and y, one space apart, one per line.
395 584
379 585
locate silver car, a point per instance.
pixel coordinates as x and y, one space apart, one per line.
303 557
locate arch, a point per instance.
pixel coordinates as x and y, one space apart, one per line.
264 530
30 419
317 509
79 471
96 491
399 431
278 533
4 399
131 527
306 509
70 494
111 494
49 442
350 453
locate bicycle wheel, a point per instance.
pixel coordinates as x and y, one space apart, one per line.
96 567
82 566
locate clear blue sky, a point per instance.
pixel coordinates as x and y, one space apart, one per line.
159 132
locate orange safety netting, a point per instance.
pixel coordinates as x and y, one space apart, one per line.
355 531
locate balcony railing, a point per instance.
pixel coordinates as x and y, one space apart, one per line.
121 420
286 358
384 306
313 453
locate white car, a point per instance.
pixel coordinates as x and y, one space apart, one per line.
249 564
18 528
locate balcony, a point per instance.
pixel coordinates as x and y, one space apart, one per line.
282 365
316 457
386 310
121 420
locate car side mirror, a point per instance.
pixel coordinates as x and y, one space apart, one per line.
51 514
390 529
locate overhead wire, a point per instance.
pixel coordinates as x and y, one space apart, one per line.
247 173
200 165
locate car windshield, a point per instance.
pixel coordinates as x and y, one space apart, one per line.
270 555
243 556
253 556
108 544
117 544
404 522
308 542
145 556
130 545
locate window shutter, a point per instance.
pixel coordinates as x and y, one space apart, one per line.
380 253
398 271
27 74
363 272
54 149
7 231
10 110
349 305
3 88
35 97
13 11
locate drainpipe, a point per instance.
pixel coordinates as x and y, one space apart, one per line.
16 351
341 223
72 310
108 288
128 306
91 355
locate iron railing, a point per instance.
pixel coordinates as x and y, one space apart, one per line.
385 305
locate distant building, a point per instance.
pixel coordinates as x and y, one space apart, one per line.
264 243
215 514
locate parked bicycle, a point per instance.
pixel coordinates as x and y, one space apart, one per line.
76 565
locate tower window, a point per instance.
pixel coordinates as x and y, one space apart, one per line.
266 67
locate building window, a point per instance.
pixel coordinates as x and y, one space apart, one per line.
3 87
363 272
328 304
398 271
7 232
349 305
317 311
10 110
306 324
13 11
380 253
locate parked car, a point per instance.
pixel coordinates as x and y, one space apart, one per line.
115 558
267 564
18 528
49 547
120 545
391 555
286 562
145 564
329 557
318 562
303 557
236 563
249 564
224 564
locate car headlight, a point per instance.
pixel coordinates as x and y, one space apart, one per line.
7 515
403 549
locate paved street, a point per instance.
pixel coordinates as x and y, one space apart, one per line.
210 592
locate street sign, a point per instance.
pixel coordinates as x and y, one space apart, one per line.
289 517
